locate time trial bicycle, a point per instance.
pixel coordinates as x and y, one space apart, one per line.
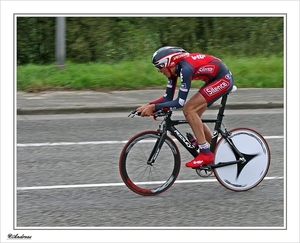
150 161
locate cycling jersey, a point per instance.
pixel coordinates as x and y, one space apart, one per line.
197 66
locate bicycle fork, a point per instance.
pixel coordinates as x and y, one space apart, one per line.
156 149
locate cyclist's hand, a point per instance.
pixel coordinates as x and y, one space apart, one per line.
146 110
141 108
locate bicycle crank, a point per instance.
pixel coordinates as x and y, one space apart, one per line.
204 172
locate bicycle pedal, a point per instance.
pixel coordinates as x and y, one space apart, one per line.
205 167
204 172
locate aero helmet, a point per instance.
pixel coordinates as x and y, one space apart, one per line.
168 56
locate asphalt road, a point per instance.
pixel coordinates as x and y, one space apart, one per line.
67 176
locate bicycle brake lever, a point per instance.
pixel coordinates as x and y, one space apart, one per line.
157 114
134 113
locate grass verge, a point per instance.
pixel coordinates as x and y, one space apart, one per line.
258 72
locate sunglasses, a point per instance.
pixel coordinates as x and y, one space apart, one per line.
160 66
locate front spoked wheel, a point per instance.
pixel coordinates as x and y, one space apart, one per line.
142 176
246 175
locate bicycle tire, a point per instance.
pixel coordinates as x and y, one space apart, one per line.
242 176
141 177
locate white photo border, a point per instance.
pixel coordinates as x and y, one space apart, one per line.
10 9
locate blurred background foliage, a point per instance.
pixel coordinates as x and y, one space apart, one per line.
115 39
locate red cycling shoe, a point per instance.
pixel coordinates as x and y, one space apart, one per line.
200 160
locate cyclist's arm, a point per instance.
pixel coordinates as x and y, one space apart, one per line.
169 94
185 75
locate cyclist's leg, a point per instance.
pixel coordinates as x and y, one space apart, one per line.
207 132
192 110
198 104
216 89
211 92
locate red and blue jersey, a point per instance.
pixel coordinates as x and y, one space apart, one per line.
196 66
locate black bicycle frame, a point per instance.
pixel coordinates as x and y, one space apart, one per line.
169 125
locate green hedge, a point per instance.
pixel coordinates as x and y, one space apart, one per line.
115 39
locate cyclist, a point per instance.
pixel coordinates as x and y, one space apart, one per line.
174 62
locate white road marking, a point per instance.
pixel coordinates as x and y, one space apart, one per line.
112 184
122 184
99 142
